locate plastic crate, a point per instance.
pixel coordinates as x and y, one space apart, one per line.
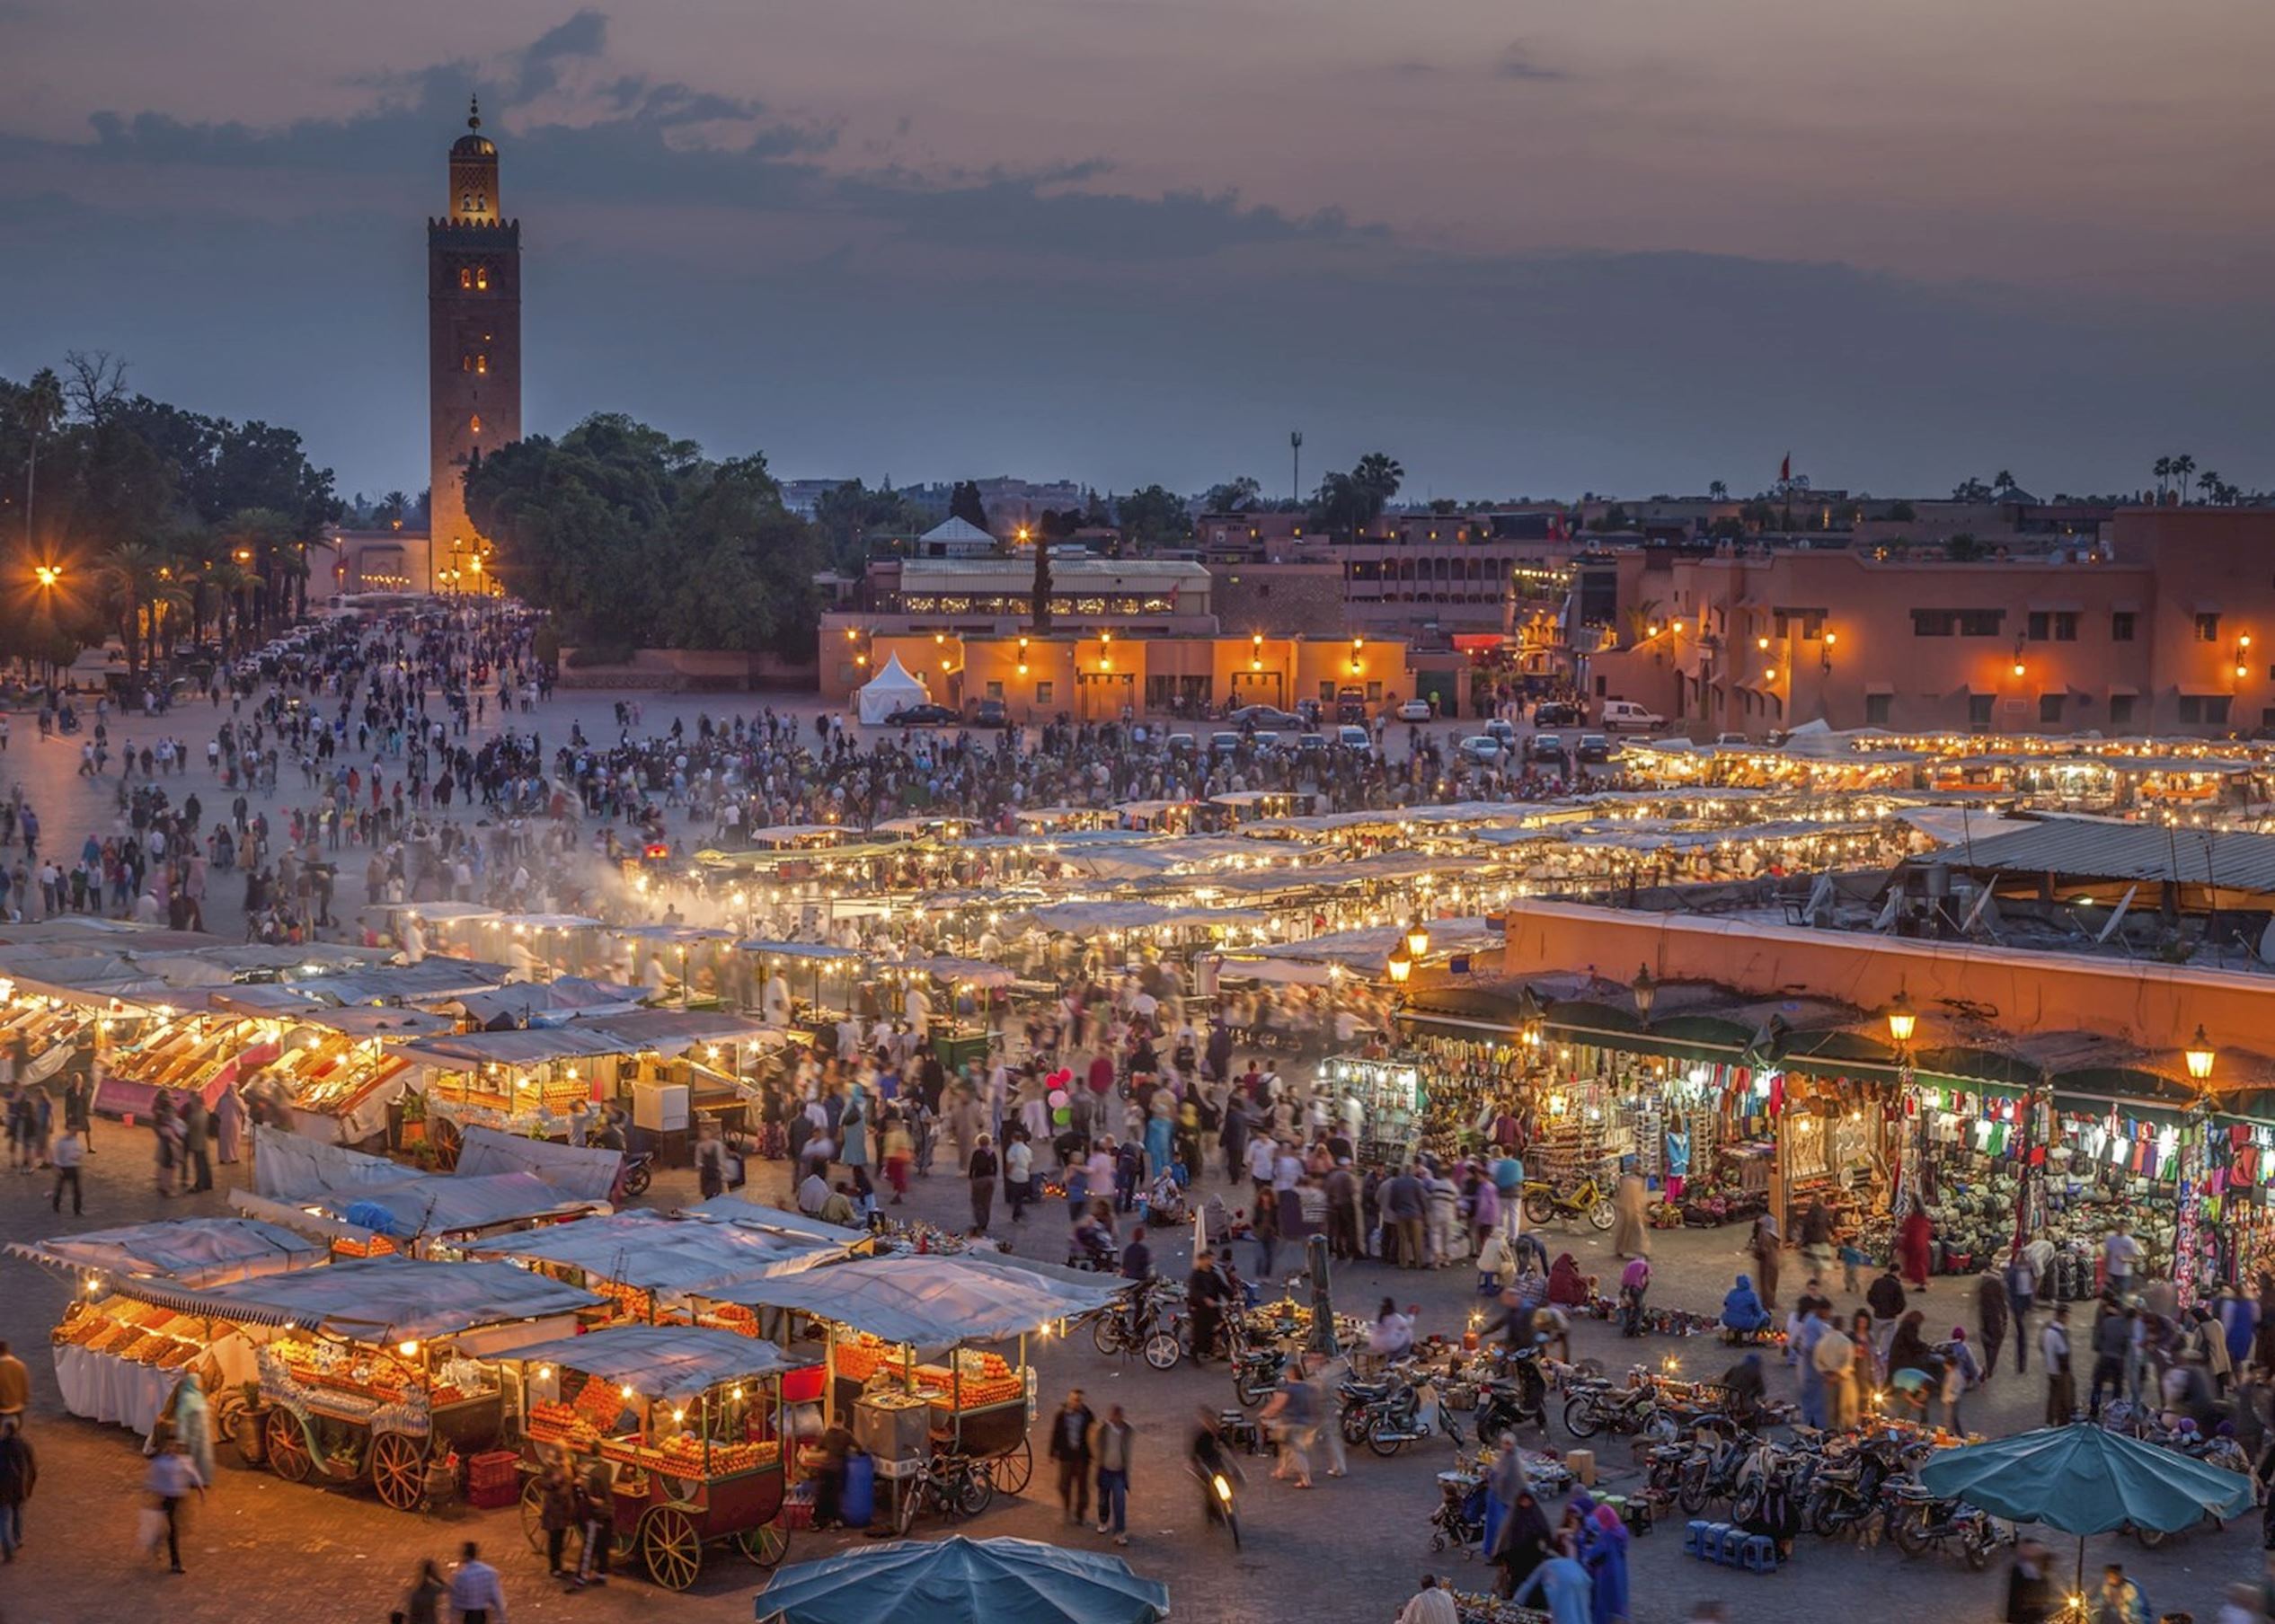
493 1497
796 1514
499 1469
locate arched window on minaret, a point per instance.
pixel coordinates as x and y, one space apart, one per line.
477 423
465 202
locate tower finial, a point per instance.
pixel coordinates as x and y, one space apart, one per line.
473 111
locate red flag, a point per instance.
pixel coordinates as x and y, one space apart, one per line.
1785 470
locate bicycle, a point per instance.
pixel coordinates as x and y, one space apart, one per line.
954 1486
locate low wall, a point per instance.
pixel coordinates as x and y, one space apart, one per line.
693 671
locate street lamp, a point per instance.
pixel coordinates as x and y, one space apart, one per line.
1401 965
1646 993
1417 938
48 574
1901 1019
2200 1056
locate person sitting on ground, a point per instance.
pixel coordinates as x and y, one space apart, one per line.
1742 1311
1567 1286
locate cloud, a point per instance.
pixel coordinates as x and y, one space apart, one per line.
1517 63
583 36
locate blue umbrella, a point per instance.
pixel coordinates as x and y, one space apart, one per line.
2084 1480
960 1580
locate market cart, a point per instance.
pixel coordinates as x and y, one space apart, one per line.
118 1359
383 1370
691 1420
649 1266
876 1317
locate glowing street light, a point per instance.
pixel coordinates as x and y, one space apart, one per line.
2200 1056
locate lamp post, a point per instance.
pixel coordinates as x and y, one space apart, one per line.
1646 993
1417 938
2195 1167
1902 1022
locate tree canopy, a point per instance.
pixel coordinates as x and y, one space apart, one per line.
634 539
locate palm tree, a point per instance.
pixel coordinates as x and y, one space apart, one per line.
2002 483
1718 491
2163 468
143 591
40 408
2185 470
2208 483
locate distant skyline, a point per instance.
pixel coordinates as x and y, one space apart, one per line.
1529 247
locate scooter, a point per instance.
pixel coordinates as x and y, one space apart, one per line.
639 1172
1917 1521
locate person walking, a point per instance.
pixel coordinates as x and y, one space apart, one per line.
1563 1584
1019 1176
171 1479
1116 1439
1070 1447
15 1387
1990 1318
2061 1385
19 1474
67 1154
476 1597
556 1511
1291 1417
596 1512
984 1171
1433 1603
2112 1346
428 1594
2021 1279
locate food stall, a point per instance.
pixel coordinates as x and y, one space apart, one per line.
119 1358
875 1318
649 1266
381 1370
691 1419
201 1054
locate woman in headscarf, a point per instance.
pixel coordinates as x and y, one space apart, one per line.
1161 1129
1763 1246
1629 1238
1742 1309
193 1424
1522 1545
1915 1242
1504 1481
1603 1551
1567 1286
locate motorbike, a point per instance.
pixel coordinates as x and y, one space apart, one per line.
1519 1398
1217 1498
1388 1416
639 1172
1598 1406
1919 1522
1543 1204
1136 1325
1714 1470
1256 1372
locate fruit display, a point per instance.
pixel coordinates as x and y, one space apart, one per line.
986 1380
861 1355
184 1053
551 1422
599 1405
140 1333
730 1317
683 1456
631 1302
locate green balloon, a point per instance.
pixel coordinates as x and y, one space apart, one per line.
1062 1115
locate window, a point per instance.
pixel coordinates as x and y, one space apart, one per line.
2050 707
2216 708
1876 708
2121 626
2208 628
1981 623
1978 710
2120 710
2065 626
1934 622
482 365
2040 626
1042 693
481 278
466 276
2191 709
476 424
1957 623
1374 693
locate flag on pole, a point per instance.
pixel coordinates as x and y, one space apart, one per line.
1785 470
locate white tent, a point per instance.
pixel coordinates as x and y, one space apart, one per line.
891 690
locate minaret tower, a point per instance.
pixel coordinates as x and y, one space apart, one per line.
473 343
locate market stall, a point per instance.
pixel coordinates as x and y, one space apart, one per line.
204 1055
692 1422
649 1266
961 1581
876 1318
383 1370
118 1358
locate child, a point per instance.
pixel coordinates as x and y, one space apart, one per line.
1852 1259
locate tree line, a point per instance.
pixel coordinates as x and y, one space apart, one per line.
128 516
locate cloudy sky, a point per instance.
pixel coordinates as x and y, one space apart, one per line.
1529 246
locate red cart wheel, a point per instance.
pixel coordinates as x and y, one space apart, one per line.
764 1545
533 1512
287 1447
673 1551
1014 1470
399 1470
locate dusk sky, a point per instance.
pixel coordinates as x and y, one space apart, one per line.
1527 246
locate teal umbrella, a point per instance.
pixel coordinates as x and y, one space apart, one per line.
960 1580
2084 1480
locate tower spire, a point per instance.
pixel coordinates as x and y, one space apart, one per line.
473 111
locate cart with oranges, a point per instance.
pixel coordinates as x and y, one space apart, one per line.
688 1423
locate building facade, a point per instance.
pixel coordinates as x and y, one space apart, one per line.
474 345
2166 627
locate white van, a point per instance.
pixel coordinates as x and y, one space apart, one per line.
1626 713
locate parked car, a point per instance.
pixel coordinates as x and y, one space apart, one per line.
1730 740
1351 704
1183 741
991 713
1264 716
1544 746
1311 744
922 715
1485 749
1556 713
1414 710
1223 744
1593 747
1504 731
1351 737
1626 713
1265 738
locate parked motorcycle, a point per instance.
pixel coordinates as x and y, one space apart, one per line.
1919 1522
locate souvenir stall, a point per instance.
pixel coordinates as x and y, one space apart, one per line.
1834 1144
336 1068
1379 1105
119 1358
649 1266
895 1335
55 1025
692 1422
381 1371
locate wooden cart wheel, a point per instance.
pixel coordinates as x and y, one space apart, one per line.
444 1135
533 1512
229 1413
1013 1472
287 1447
669 1544
764 1545
399 1470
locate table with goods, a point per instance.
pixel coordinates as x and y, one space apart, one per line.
199 1055
691 1423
